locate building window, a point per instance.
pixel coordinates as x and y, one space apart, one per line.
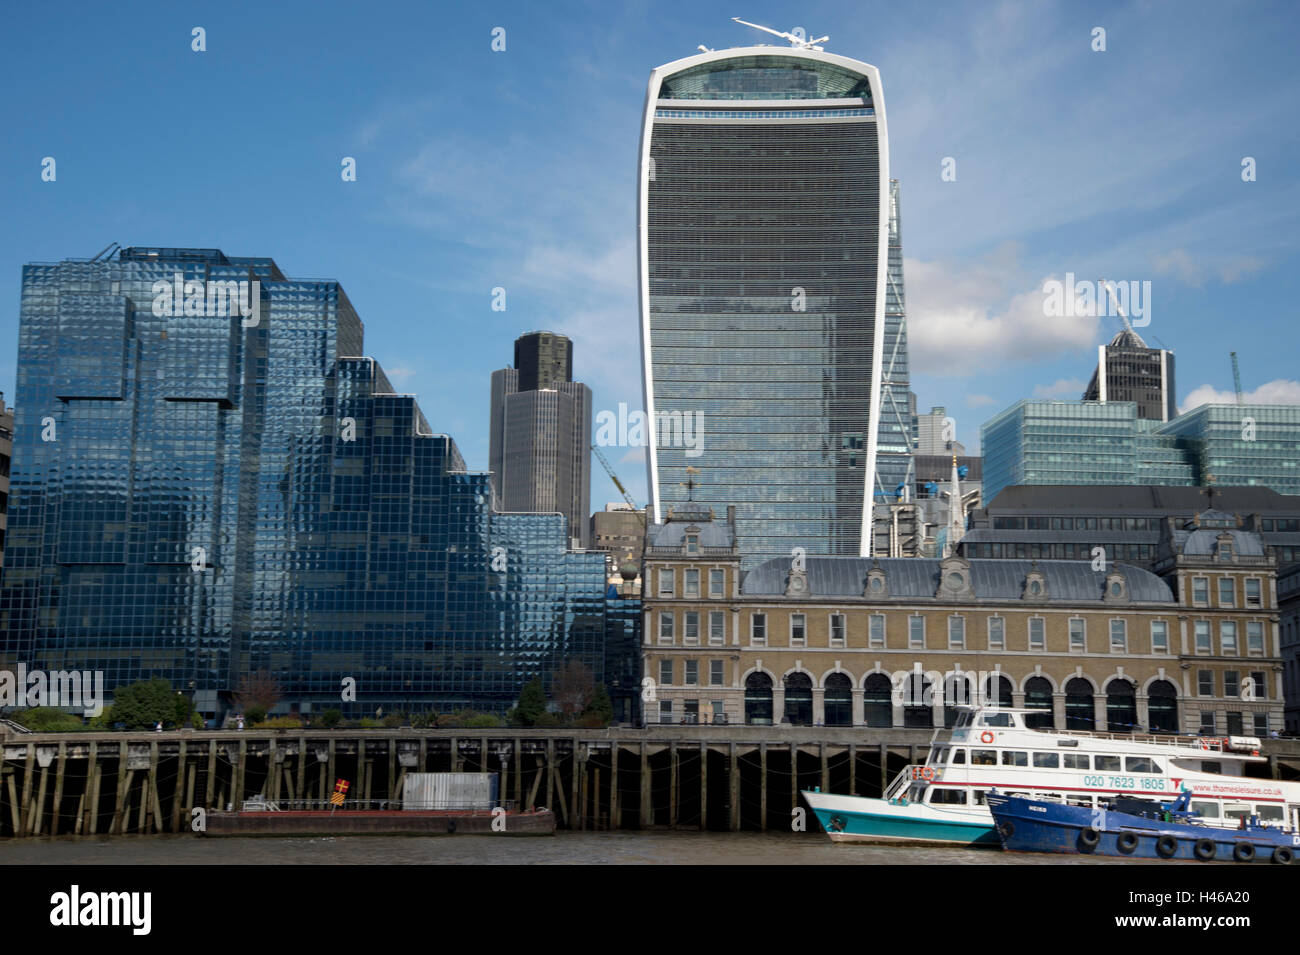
1224 551
916 633
691 628
1200 591
1203 640
691 711
692 672
837 629
758 629
666 582
1259 684
1205 683
1119 636
1159 636
1261 725
1228 637
877 631
1078 636
1231 683
691 583
1253 598
1255 638
665 711
1207 723
956 633
715 672
692 543
716 580
1227 592
666 621
665 672
717 628
997 633
798 629
1037 633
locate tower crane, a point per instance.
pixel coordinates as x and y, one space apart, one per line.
796 41
1236 377
604 463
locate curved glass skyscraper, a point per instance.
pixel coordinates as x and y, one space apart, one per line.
763 224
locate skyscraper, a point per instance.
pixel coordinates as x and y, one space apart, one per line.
539 449
200 493
1127 370
763 236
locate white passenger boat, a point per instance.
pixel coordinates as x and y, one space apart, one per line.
943 800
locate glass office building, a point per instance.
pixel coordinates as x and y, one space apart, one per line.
763 213
1089 442
204 491
894 448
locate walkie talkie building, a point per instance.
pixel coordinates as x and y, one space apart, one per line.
763 235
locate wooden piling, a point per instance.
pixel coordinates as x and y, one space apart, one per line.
884 768
118 824
614 821
704 785
577 769
151 785
853 769
39 814
25 809
237 794
178 791
673 777
762 787
60 769
92 810
210 784
734 795
647 809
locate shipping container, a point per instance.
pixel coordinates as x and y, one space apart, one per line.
424 791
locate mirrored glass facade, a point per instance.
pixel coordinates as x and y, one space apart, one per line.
207 493
762 245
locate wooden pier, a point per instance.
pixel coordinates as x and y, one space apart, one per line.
688 777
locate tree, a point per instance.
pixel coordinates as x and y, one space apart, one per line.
573 688
141 705
601 708
257 693
532 704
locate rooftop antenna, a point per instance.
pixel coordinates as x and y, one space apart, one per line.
796 41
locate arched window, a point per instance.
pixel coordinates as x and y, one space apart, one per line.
1162 707
838 700
997 691
918 701
1121 706
1038 696
1080 714
877 700
798 699
956 692
758 698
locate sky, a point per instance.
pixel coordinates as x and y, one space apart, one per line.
479 169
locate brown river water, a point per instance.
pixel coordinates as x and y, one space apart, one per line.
564 848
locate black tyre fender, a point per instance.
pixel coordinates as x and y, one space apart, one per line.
1127 842
1205 849
1089 839
1243 852
1166 847
1283 855
1006 828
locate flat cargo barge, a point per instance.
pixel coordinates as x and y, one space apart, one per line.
381 822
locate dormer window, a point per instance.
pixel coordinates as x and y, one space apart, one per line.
1035 585
692 543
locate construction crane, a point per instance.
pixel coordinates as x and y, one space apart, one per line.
796 41
604 463
1236 376
1115 300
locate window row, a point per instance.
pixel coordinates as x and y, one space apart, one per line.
667 577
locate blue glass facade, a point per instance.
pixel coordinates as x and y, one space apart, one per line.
1090 442
199 496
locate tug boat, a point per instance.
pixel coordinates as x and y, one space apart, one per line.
1136 829
945 799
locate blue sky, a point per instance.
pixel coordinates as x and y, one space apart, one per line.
478 169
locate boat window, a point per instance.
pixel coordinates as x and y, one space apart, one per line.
984 757
916 792
996 719
1236 811
1140 764
1052 797
1105 763
1015 757
1270 813
1078 800
963 719
1077 761
935 758
1209 810
977 796
940 795
958 757
1047 760
1211 766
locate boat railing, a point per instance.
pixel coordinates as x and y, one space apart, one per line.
371 805
1202 743
899 784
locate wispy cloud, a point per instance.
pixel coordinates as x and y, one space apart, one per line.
1061 388
1278 392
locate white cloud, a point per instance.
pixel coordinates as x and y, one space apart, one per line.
980 401
1061 388
972 319
1278 392
1179 264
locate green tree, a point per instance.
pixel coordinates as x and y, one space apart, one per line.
600 708
47 719
141 705
532 704
331 717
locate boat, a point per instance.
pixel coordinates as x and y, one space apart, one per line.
944 800
1136 829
